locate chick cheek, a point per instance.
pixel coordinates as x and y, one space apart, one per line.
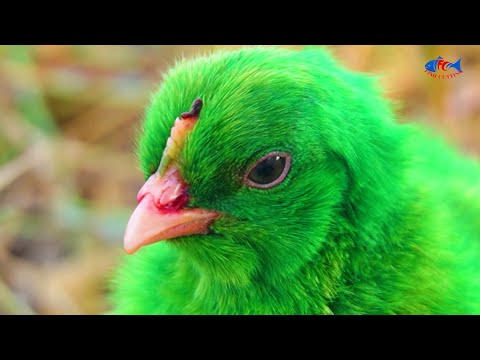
155 219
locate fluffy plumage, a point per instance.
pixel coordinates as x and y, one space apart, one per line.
375 217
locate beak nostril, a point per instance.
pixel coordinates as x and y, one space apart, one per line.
177 203
169 191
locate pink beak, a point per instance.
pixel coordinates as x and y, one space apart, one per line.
160 214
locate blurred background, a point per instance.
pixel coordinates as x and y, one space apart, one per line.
68 176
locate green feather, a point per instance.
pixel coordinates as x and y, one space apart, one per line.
374 217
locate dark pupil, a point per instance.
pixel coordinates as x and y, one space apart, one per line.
268 170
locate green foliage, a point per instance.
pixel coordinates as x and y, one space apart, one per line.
29 100
375 217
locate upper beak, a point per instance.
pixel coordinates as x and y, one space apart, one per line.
160 214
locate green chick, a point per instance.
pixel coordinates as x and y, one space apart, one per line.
279 182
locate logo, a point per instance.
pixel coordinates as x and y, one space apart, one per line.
442 69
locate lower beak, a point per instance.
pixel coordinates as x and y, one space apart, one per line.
152 222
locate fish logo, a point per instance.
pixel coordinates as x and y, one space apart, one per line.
434 68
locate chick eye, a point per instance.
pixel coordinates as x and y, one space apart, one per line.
269 171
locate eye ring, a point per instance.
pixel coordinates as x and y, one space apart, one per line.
288 160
